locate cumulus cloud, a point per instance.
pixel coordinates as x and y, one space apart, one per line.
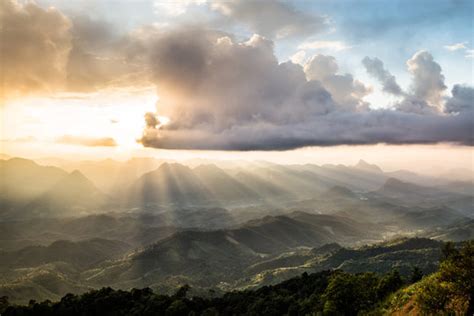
44 51
428 81
35 47
427 89
375 68
344 89
214 82
462 100
274 19
223 94
298 57
87 141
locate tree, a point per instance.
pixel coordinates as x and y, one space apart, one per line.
348 294
177 308
389 284
182 291
416 274
4 303
451 289
448 251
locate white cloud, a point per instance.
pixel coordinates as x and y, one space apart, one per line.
327 45
428 80
175 8
344 89
456 46
469 53
299 57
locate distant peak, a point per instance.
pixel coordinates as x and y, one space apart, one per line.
76 174
364 165
172 167
76 177
74 181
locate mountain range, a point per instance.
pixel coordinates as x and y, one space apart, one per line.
45 189
219 227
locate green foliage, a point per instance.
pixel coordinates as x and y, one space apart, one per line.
451 290
4 303
416 274
351 294
182 291
328 292
389 284
447 292
448 251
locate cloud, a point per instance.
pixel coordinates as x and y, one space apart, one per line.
455 47
25 139
426 92
220 92
87 141
343 88
375 68
151 120
35 47
44 51
273 19
328 45
298 57
469 53
346 128
224 94
462 100
428 81
175 8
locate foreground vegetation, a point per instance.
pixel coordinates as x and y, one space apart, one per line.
449 291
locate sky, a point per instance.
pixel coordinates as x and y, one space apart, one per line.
291 81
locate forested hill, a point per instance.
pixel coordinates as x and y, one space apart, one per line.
447 291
